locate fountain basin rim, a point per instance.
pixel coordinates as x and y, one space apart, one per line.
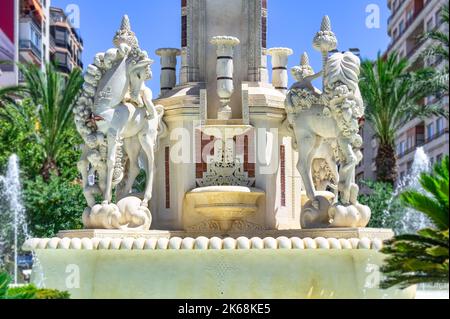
201 243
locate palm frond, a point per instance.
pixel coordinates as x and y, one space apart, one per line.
53 96
422 257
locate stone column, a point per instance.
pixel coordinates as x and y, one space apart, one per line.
225 67
184 69
168 68
264 74
280 58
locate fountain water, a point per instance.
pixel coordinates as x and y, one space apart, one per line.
14 213
411 220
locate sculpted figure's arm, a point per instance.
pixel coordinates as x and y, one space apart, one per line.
147 97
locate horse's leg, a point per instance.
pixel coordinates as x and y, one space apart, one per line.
147 141
83 166
334 172
308 145
113 141
132 149
348 170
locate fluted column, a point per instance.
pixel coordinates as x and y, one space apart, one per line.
168 68
225 68
280 59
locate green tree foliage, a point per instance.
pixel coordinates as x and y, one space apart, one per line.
53 201
393 96
53 96
27 292
386 209
53 205
422 257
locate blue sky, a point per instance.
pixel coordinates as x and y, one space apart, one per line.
291 23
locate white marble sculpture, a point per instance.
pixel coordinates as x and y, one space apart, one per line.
325 129
116 117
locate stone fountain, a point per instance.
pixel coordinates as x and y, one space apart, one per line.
231 206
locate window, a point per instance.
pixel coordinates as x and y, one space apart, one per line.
440 125
395 34
60 37
439 158
409 142
401 148
430 24
430 131
35 37
432 161
409 15
401 27
438 17
61 58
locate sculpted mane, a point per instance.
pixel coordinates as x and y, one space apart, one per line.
100 88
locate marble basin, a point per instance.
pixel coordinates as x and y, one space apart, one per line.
225 204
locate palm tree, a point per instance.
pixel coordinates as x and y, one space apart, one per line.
392 95
422 257
439 50
53 95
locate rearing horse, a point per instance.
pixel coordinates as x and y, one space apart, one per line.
334 117
133 120
120 109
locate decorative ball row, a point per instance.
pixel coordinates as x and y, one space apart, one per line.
201 243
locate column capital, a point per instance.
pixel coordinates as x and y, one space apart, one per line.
280 51
225 40
168 52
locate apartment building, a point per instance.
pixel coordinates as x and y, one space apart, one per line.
66 45
31 31
409 20
24 36
34 32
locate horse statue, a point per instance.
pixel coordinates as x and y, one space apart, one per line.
120 125
325 131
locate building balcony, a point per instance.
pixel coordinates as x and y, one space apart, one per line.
27 45
429 140
395 10
408 25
